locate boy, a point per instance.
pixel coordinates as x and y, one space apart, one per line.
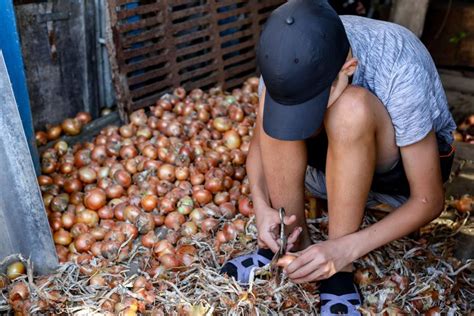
354 109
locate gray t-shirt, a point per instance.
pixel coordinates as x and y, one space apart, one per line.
396 67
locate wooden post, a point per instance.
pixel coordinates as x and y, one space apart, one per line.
410 14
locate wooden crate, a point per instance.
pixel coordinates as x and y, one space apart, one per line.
158 45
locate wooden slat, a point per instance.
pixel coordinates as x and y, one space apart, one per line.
194 48
238 58
191 36
150 100
196 60
189 24
152 61
148 75
139 51
141 9
239 11
190 11
200 83
139 92
197 72
241 68
235 24
236 47
226 3
143 36
126 27
236 35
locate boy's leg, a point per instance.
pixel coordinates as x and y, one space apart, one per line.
361 140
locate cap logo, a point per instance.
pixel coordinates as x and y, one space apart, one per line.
290 20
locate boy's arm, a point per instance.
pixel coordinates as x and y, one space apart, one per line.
422 167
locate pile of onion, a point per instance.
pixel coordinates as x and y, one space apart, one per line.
177 167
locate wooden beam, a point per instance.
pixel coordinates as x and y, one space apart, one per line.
410 14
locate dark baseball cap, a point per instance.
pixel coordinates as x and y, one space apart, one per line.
302 48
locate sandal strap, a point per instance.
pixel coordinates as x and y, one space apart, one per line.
243 273
340 299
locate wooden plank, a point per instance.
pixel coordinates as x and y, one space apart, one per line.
196 60
139 51
194 35
140 92
457 82
126 27
188 12
141 9
152 61
154 33
239 58
195 73
194 48
236 47
149 75
410 14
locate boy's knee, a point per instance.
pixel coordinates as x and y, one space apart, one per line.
351 116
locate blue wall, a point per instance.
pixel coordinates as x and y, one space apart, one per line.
11 49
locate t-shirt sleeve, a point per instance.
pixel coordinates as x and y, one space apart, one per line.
411 104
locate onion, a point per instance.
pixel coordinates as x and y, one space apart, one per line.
61 147
95 199
131 213
246 206
169 261
230 231
222 124
15 269
149 239
138 118
87 175
149 202
185 205
189 229
239 225
166 172
98 233
62 237
71 127
182 173
464 204
174 220
221 198
41 138
123 178
84 242
145 223
209 225
227 210
83 117
53 132
78 229
88 217
231 139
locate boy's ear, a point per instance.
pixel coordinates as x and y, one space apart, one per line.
350 66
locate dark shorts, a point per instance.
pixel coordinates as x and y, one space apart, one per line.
392 182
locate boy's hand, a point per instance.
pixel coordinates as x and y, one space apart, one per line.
320 261
268 227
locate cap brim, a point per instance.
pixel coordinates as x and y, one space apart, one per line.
294 122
